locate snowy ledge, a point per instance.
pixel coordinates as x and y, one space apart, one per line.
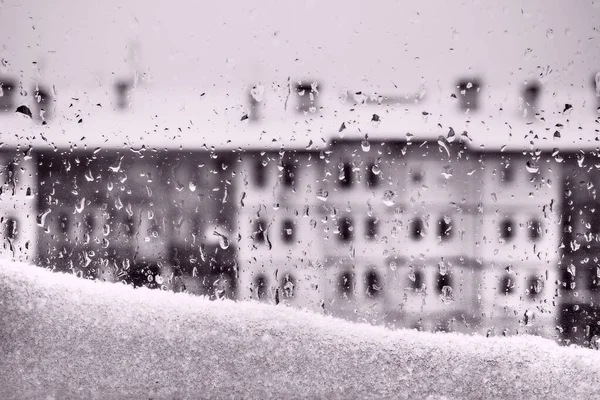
64 337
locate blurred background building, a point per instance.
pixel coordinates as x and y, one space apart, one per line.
432 166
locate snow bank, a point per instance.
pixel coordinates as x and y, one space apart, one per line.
63 337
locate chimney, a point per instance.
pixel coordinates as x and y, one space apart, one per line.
468 93
530 96
307 97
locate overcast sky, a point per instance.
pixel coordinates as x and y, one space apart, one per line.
347 41
222 47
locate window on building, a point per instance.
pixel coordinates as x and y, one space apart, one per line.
507 173
371 228
373 283
416 279
417 228
530 97
346 284
11 229
288 286
7 100
443 280
43 100
11 173
346 175
507 285
507 231
594 278
288 229
417 177
568 280
594 219
346 229
445 228
260 173
259 232
535 229
289 174
89 224
535 286
64 223
130 225
468 93
373 176
261 286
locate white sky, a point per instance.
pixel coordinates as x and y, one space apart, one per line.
221 47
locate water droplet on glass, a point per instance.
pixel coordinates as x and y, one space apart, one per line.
80 205
322 194
365 145
446 295
531 167
595 342
388 198
41 218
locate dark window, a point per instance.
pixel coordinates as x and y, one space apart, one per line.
535 286
445 228
288 231
508 173
11 229
417 229
417 282
371 228
288 286
11 173
507 285
443 280
373 284
261 285
531 94
7 88
42 101
535 229
346 284
260 228
90 223
373 175
567 279
63 223
130 225
507 231
260 173
417 177
346 175
346 229
468 92
307 96
594 278
289 174
595 222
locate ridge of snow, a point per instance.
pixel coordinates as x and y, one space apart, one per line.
65 337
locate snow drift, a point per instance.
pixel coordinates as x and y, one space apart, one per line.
64 337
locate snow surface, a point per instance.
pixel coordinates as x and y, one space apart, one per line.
65 337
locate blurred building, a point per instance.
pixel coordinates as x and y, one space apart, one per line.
18 185
579 268
431 232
